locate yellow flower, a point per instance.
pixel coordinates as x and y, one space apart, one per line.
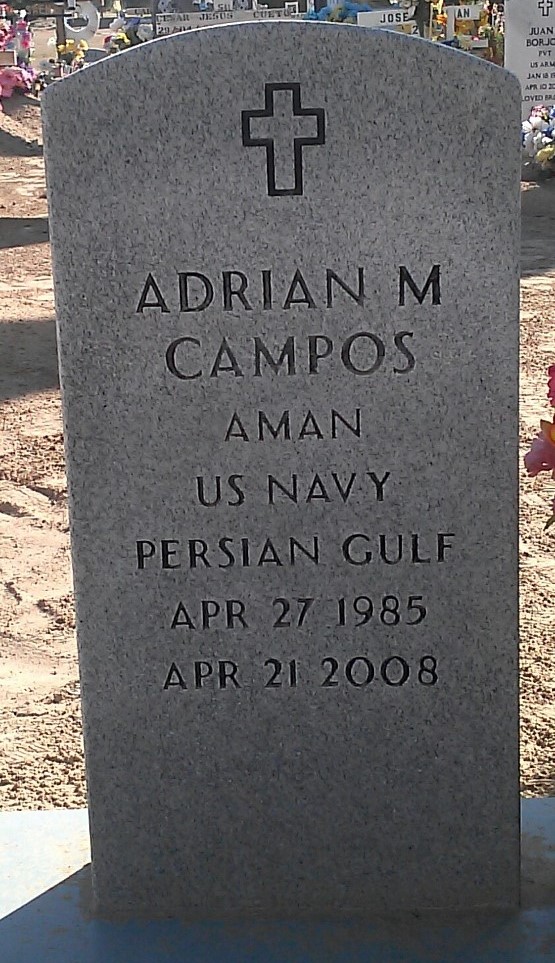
543 156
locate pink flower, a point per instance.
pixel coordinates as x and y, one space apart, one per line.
541 456
15 78
551 384
8 80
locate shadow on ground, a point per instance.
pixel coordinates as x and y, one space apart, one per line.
21 135
538 228
57 927
29 358
13 146
20 231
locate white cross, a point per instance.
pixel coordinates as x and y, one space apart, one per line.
545 6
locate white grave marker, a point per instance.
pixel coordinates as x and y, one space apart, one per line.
530 49
471 12
388 19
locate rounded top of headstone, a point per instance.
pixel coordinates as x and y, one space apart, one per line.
327 42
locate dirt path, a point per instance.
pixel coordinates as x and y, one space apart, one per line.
41 763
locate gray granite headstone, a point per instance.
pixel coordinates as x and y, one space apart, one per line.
287 296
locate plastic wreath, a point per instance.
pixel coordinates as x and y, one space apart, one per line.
541 456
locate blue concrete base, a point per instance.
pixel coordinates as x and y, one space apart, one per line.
45 913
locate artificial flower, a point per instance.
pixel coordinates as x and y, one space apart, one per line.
551 384
545 155
541 456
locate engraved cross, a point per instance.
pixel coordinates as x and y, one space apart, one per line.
545 6
278 146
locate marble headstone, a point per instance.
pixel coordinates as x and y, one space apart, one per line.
287 298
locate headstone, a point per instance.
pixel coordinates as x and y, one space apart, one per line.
288 349
530 49
168 23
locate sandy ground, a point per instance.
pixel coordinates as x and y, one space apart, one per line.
41 762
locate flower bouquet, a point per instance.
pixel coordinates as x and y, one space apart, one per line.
20 78
538 140
117 42
128 33
72 53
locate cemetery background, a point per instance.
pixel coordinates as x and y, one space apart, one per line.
41 762
56 47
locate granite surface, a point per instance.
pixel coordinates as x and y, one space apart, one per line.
287 293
